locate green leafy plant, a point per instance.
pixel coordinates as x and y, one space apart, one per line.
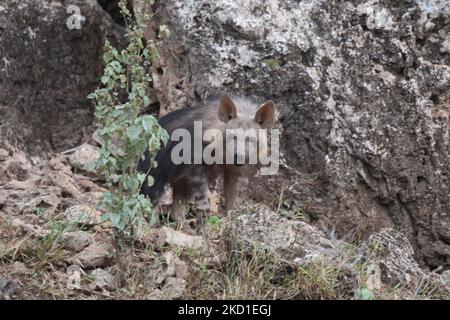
39 211
272 63
126 134
364 294
214 221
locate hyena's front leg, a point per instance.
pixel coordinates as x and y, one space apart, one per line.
201 196
230 185
178 208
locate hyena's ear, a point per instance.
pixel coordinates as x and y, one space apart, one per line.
227 109
265 115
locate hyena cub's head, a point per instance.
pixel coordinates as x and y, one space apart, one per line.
246 128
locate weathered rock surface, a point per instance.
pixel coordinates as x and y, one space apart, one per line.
390 256
36 186
175 266
176 238
65 182
173 288
83 215
47 69
385 260
290 239
8 289
363 90
4 155
84 157
27 228
96 255
73 280
103 280
76 240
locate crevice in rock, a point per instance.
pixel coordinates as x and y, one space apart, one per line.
112 8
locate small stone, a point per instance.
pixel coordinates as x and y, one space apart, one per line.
268 230
445 46
181 269
58 164
76 240
173 288
25 228
175 266
95 255
66 183
103 280
155 295
446 276
84 156
429 26
18 170
8 289
180 239
74 277
47 200
83 215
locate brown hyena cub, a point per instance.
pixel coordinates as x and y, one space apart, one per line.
220 138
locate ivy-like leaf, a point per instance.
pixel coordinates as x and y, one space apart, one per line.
105 79
134 132
127 75
117 66
148 122
146 101
141 177
150 181
114 218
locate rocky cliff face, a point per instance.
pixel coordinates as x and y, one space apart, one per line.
48 65
363 93
362 87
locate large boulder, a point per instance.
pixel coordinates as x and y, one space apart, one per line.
390 258
363 90
267 231
385 260
48 66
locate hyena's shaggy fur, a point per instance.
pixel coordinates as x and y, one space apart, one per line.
192 181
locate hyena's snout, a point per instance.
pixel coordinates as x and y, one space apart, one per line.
242 150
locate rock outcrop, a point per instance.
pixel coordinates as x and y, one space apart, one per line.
50 60
363 90
384 260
